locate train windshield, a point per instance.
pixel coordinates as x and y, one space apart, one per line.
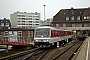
42 33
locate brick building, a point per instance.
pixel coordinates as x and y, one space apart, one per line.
72 19
23 35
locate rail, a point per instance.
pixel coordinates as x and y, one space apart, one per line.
18 55
68 53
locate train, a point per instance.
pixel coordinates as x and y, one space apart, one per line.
46 36
81 34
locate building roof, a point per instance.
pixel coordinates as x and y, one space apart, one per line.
63 13
16 29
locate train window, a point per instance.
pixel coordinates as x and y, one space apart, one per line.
61 33
66 33
69 33
58 34
52 33
42 32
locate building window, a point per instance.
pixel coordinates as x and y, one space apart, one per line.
76 24
1 21
28 33
88 17
31 33
19 33
23 18
78 18
64 24
86 25
6 33
30 18
57 25
36 19
23 15
27 18
73 25
85 17
7 24
67 18
2 24
72 18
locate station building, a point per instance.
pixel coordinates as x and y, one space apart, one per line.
72 19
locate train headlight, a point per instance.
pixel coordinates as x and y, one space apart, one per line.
36 40
47 40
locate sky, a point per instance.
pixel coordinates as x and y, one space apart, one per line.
52 7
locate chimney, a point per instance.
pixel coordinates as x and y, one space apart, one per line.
72 12
71 8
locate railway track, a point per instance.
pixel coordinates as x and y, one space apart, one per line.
63 53
12 51
20 55
53 54
39 56
68 53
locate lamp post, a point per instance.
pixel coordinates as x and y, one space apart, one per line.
44 14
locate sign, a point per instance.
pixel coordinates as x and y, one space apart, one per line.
12 37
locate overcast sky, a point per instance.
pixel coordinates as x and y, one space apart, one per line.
52 7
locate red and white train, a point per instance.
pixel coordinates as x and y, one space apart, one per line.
46 36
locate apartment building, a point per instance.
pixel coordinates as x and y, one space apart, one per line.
25 19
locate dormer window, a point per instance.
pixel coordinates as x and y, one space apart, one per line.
88 17
67 18
72 18
78 18
85 17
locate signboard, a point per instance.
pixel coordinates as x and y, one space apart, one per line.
12 36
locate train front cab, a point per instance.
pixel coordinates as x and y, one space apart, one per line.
82 34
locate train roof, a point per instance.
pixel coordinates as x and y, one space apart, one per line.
54 28
47 27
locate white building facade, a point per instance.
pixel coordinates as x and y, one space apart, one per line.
25 20
47 22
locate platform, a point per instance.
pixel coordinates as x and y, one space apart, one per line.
84 51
